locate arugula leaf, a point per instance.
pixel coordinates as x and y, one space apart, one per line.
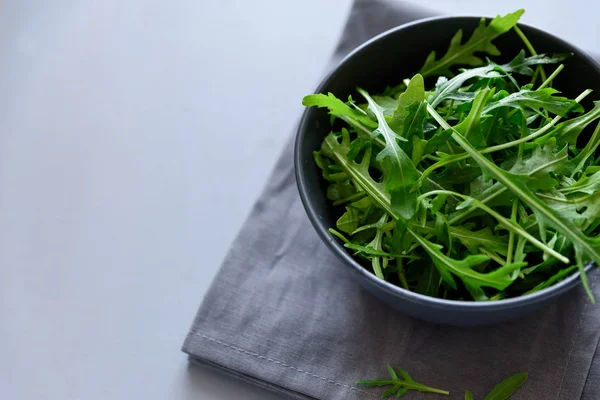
358 172
507 387
337 107
470 127
429 283
522 64
569 131
480 41
587 184
400 386
349 221
401 172
406 119
473 280
559 276
340 191
535 170
577 164
518 65
472 240
537 100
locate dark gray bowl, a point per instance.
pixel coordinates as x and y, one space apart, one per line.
383 61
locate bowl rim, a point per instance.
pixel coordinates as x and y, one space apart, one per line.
362 272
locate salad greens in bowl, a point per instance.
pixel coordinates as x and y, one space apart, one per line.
452 164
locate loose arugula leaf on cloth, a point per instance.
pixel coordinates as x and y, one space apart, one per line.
480 187
400 385
507 387
480 41
401 382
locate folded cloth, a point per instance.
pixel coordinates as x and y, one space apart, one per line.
283 313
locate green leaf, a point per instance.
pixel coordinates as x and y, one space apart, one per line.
542 99
569 131
437 140
535 170
390 392
337 107
587 184
468 395
401 173
522 64
375 382
409 120
392 372
470 128
577 164
340 191
437 203
483 238
480 41
507 387
389 104
582 210
429 283
447 89
349 221
559 276
583 245
418 149
358 172
370 251
473 280
400 386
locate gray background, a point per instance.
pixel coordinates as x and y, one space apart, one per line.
134 138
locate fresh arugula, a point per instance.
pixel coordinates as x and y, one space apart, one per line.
465 53
507 387
400 385
481 188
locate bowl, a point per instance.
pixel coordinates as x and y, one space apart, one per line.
380 62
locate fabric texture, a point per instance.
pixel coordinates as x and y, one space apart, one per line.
283 313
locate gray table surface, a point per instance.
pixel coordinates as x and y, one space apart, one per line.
134 138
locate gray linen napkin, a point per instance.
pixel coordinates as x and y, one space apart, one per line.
283 313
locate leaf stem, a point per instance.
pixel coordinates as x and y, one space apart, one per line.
355 196
493 256
530 48
511 234
401 275
552 76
